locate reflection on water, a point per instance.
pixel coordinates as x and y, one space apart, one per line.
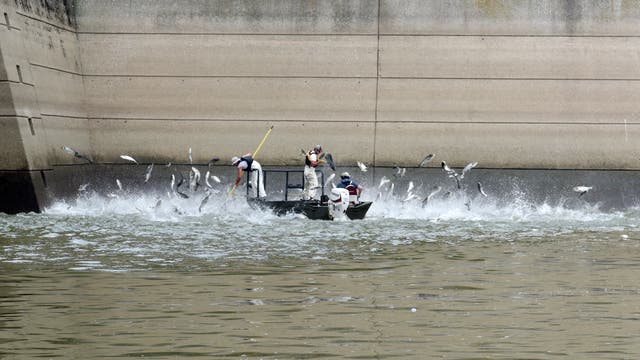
113 278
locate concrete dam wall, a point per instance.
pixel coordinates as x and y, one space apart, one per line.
519 84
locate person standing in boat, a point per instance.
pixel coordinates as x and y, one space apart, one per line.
355 189
256 178
311 161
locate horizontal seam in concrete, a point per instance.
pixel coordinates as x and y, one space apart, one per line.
233 76
55 69
71 30
17 82
65 116
203 76
356 34
511 35
328 121
505 122
222 120
222 34
11 27
130 164
21 116
527 169
505 78
325 77
26 171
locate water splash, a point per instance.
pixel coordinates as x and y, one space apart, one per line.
142 231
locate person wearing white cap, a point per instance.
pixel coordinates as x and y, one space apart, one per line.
311 161
256 179
355 190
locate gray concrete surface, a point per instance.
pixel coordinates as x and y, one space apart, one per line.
511 84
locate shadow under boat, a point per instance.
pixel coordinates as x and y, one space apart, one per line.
312 209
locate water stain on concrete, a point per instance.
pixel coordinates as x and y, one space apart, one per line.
492 8
62 11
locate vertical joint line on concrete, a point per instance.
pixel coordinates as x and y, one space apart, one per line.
33 131
44 179
19 73
375 115
6 20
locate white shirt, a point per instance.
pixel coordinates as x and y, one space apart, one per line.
312 157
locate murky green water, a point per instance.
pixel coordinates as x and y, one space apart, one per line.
103 278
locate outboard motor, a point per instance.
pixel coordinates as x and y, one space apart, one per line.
338 201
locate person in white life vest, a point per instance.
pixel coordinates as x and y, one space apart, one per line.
247 163
311 161
355 190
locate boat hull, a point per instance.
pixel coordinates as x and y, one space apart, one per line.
313 209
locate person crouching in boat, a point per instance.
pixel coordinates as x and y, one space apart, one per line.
355 190
256 178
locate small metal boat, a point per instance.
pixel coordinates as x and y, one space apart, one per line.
313 209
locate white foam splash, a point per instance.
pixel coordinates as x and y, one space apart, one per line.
513 208
159 207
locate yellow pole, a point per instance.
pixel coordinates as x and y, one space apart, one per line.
254 155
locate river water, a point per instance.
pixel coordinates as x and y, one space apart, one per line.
128 277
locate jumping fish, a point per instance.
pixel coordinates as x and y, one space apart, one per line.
206 179
215 178
183 195
410 197
157 205
468 168
329 179
181 181
195 179
362 166
426 160
446 167
173 182
204 202
83 187
119 184
481 190
329 159
76 154
390 193
383 182
451 173
435 190
190 157
147 175
582 189
400 172
128 158
410 187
